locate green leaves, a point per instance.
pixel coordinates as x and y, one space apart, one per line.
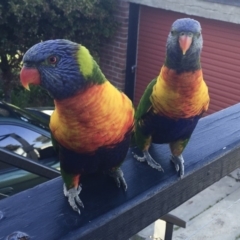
24 23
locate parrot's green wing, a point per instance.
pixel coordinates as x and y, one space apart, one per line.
145 104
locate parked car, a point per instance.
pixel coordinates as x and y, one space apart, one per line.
24 135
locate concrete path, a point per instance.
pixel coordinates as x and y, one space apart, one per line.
213 214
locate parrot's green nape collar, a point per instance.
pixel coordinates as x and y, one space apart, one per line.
88 66
85 61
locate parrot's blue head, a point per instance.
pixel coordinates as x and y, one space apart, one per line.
184 45
53 65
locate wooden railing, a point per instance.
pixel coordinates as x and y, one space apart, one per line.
110 213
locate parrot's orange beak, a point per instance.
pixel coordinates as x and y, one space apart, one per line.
29 76
185 42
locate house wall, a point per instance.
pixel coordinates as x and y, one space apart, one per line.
202 8
114 53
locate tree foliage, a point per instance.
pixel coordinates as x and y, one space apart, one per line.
24 23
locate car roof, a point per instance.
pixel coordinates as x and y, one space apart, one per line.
8 110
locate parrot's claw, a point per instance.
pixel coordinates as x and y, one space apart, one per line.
140 159
179 164
118 178
150 161
73 198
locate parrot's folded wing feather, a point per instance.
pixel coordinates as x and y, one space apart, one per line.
145 103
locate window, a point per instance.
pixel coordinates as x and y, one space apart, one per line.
33 117
26 142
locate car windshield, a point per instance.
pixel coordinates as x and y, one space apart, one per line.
9 110
26 142
25 133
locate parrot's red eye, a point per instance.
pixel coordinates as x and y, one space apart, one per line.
52 59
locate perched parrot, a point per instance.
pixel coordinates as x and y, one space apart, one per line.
174 101
93 121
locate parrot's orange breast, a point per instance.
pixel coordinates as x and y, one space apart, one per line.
99 116
180 95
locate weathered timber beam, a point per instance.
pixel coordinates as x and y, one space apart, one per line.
111 213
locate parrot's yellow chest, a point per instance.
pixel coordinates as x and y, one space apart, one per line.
98 116
180 95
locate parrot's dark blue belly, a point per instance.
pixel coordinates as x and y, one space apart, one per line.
103 159
166 130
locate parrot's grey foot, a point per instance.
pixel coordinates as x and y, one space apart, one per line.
73 198
179 164
117 175
150 161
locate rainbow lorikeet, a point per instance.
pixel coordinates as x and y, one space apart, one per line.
92 123
173 102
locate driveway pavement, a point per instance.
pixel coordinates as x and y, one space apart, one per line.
213 214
